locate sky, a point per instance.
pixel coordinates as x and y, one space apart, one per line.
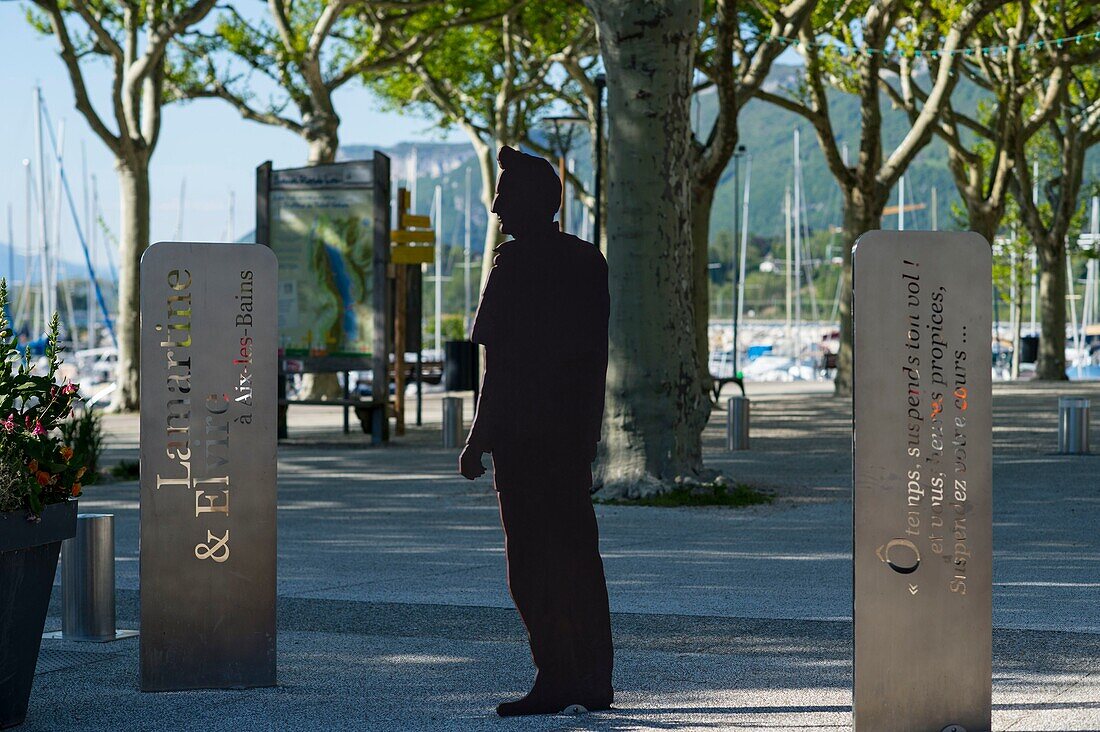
204 142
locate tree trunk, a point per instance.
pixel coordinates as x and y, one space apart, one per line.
702 201
1052 309
862 213
487 164
133 189
653 427
322 149
323 136
983 220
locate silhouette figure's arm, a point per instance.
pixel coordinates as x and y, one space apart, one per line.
487 331
481 432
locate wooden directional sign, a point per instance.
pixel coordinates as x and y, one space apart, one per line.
406 254
410 220
401 236
923 483
408 245
208 399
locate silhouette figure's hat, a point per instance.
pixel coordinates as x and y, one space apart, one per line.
532 180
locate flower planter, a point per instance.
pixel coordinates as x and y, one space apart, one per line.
28 561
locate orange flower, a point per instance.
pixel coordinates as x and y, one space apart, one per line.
67 453
76 489
80 472
43 477
33 466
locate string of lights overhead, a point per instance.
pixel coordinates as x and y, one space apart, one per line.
994 50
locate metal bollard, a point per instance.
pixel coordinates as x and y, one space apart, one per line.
88 580
1073 425
737 423
452 422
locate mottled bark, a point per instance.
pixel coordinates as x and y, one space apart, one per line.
1052 309
322 135
653 426
861 214
133 192
487 167
701 204
984 217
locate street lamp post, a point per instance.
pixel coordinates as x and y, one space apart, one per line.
562 142
601 84
737 154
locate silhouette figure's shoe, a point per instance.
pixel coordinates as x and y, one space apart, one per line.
535 703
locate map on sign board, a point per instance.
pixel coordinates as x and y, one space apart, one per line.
324 240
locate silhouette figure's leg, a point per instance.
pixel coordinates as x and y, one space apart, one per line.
556 577
586 589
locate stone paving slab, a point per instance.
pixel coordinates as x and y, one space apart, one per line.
394 613
381 666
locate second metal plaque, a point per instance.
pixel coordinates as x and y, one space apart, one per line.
923 480
208 369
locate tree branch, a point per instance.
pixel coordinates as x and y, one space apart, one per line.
76 75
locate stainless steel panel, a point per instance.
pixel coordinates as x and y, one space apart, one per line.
923 485
737 423
1073 425
88 580
453 434
208 476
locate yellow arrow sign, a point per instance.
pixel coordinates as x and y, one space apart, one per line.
409 219
405 254
399 236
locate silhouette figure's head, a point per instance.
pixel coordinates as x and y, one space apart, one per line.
528 192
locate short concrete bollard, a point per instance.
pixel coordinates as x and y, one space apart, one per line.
1073 425
88 580
737 423
452 422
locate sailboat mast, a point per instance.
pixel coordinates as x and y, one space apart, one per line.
43 313
439 269
179 211
901 203
797 247
466 255
744 246
28 235
789 268
90 297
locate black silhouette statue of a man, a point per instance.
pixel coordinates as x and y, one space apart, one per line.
543 322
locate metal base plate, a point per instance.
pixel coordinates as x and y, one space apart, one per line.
119 635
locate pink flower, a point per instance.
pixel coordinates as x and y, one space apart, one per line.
38 429
9 423
69 388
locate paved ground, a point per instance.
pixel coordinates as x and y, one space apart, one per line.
393 611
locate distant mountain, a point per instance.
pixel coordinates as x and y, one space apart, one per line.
12 256
766 132
441 163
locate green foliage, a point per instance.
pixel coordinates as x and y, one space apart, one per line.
39 468
700 494
126 470
453 328
84 434
509 58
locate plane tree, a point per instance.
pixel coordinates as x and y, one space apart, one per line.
135 39
496 80
847 48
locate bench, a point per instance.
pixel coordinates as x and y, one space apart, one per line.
372 415
719 382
